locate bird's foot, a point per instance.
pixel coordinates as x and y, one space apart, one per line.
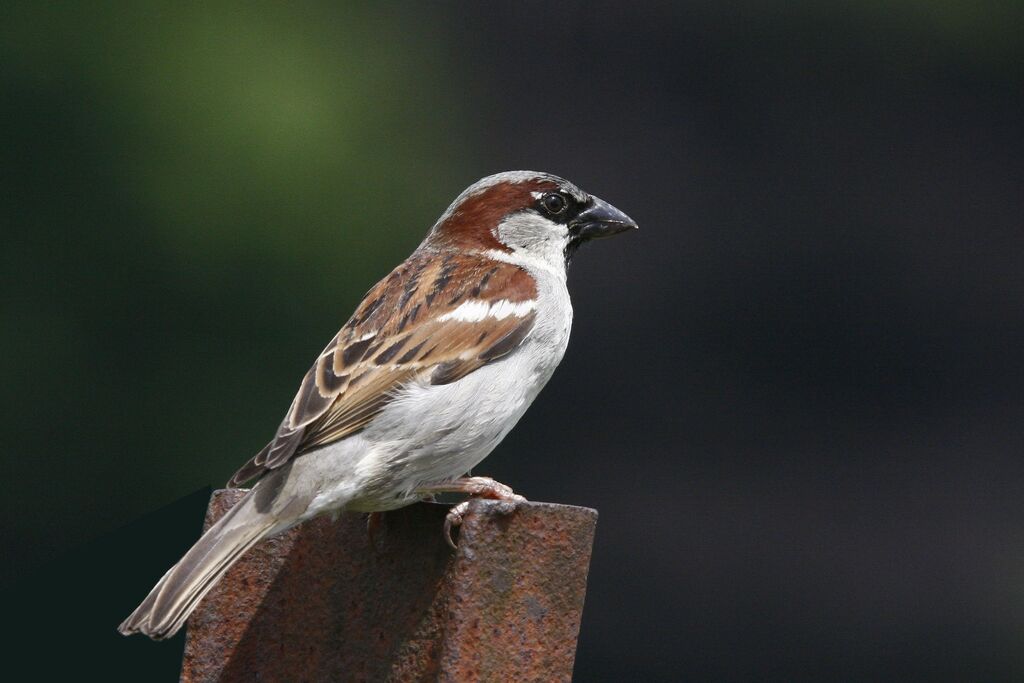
454 519
374 524
474 487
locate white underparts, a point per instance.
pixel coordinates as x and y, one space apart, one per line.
476 310
530 262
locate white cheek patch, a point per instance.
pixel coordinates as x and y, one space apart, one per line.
476 310
527 226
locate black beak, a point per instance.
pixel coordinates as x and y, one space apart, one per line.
599 220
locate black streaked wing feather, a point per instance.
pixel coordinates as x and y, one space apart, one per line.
455 369
372 356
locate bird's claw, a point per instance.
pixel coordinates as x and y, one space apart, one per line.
506 503
454 518
474 487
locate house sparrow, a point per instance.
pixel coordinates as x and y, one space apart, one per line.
438 363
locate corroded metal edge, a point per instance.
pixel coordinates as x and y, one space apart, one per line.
325 601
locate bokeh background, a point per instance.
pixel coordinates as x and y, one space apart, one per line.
795 395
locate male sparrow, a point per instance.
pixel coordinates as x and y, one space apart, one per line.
439 362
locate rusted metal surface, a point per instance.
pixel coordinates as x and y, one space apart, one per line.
325 602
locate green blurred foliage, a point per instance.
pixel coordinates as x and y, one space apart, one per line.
191 189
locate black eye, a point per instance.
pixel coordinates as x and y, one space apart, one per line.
553 203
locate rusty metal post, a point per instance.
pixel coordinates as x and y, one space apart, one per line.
325 602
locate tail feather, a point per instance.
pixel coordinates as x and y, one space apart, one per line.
172 600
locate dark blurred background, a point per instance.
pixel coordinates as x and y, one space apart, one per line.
795 395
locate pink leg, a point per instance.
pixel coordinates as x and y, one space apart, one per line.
373 524
475 487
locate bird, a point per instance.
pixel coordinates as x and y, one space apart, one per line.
438 363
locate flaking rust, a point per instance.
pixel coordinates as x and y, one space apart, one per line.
326 602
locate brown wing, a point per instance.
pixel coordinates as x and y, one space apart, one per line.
398 334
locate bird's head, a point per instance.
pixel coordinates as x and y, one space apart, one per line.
536 216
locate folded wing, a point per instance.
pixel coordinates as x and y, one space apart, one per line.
437 318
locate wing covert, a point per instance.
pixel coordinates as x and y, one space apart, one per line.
434 318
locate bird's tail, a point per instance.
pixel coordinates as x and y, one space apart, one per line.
174 597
